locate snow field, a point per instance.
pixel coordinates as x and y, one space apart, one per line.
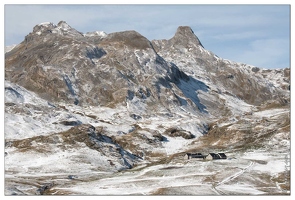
233 176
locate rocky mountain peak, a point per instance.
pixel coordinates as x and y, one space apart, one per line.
43 27
62 28
63 25
184 30
185 35
45 24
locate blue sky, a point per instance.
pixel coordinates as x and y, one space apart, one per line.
258 35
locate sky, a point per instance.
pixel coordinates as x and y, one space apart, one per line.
257 35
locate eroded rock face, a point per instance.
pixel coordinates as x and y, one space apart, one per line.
61 64
241 80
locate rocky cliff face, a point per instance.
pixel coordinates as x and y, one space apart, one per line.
61 65
127 101
243 81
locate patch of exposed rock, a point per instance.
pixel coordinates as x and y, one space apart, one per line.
72 139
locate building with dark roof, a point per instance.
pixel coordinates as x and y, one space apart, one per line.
215 156
222 155
195 155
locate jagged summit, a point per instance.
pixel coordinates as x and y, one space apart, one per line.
184 38
64 25
51 25
62 28
46 24
42 27
185 35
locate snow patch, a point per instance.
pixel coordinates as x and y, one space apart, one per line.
95 33
17 94
45 23
175 144
237 106
271 112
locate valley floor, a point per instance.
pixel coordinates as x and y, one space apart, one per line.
43 156
249 173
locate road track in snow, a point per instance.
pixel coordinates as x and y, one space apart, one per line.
230 178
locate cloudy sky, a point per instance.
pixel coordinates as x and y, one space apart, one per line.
258 35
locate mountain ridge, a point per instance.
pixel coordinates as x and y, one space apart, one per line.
117 105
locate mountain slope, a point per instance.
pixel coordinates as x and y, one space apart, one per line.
111 102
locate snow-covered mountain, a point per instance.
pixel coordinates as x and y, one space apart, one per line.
86 112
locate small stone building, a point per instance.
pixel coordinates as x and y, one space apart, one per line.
222 156
210 156
195 155
215 156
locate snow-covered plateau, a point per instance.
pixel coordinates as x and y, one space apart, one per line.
116 114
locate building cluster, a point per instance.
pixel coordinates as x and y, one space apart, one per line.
210 156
